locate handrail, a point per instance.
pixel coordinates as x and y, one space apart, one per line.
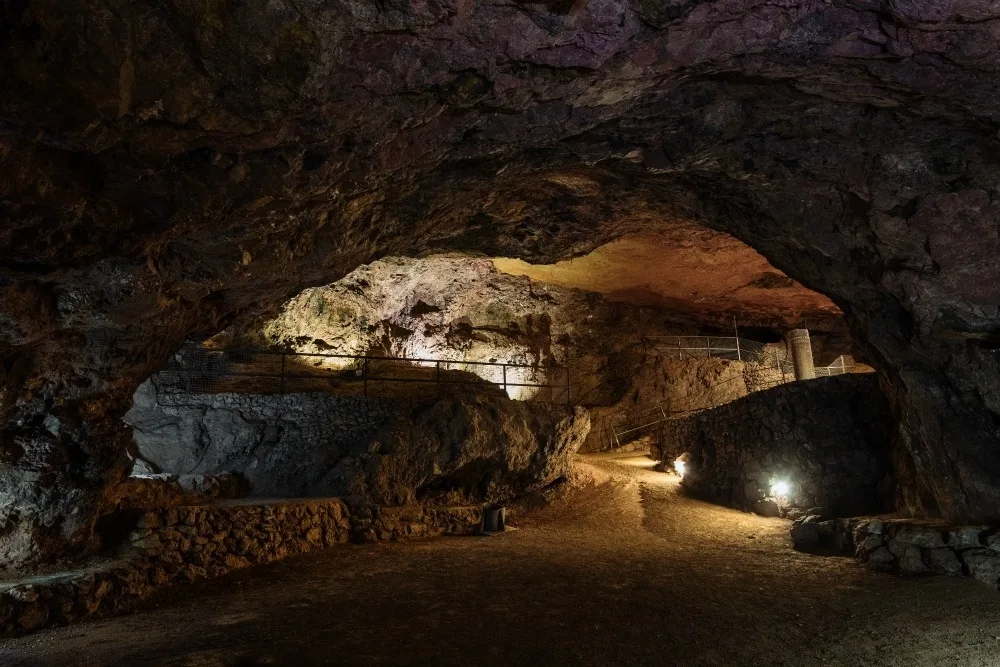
210 367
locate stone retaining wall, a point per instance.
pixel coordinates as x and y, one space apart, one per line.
906 547
188 543
828 438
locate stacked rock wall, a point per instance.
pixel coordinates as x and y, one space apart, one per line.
188 543
828 438
906 547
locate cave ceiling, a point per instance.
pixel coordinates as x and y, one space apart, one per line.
692 270
169 167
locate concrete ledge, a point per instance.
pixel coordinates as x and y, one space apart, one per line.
188 543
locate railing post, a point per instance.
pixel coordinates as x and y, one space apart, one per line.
708 344
364 375
736 330
505 381
437 376
281 380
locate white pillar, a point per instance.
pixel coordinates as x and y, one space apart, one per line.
802 354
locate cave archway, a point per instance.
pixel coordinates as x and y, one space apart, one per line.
154 186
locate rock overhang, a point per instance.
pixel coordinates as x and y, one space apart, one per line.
169 171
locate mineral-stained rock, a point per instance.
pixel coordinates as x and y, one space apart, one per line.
33 616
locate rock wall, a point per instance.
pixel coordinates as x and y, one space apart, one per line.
905 546
464 309
150 491
828 438
388 451
188 543
678 386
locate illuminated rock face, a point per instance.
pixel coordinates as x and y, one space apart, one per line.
169 170
455 308
704 274
462 309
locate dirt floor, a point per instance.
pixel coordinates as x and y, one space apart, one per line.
619 570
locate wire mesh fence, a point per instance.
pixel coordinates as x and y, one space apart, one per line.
197 370
763 373
701 347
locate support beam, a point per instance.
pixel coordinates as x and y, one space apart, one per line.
802 355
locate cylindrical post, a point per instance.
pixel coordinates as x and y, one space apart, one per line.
708 344
802 356
364 375
505 381
437 376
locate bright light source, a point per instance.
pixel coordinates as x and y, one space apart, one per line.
780 488
679 466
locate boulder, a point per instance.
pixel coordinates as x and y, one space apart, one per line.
983 565
944 561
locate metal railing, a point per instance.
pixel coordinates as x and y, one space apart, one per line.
628 426
841 365
625 427
197 370
711 347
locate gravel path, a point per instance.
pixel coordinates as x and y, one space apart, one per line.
619 570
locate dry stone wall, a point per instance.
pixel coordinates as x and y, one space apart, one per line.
906 547
828 438
188 543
